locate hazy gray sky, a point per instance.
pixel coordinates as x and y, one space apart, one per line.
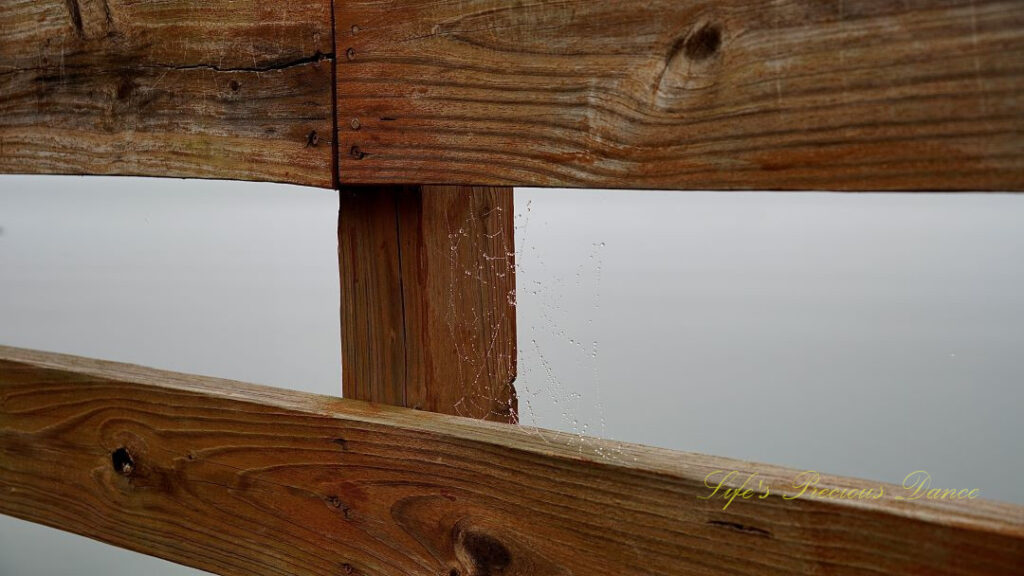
864 335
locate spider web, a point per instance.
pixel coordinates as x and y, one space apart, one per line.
558 385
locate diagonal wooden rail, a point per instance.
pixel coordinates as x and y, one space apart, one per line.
242 479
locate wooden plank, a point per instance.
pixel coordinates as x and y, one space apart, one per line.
792 94
238 89
428 298
242 479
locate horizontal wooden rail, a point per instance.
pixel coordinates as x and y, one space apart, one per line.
690 94
213 89
242 479
685 94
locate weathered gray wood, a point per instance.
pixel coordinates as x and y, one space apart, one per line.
215 89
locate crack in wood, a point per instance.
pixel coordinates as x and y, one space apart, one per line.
107 14
314 59
737 527
75 13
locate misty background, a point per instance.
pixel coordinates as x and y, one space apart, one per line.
864 335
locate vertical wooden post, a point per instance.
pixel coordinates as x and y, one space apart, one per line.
428 298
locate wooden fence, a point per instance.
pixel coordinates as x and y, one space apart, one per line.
417 110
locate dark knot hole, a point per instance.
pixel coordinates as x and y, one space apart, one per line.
122 461
703 43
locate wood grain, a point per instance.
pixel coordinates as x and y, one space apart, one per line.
683 94
236 89
428 298
241 479
373 338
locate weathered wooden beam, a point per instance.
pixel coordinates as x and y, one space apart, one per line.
428 298
215 89
684 94
242 479
798 94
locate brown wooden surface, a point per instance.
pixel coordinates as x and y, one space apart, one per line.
373 338
796 94
428 298
241 479
793 94
215 89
